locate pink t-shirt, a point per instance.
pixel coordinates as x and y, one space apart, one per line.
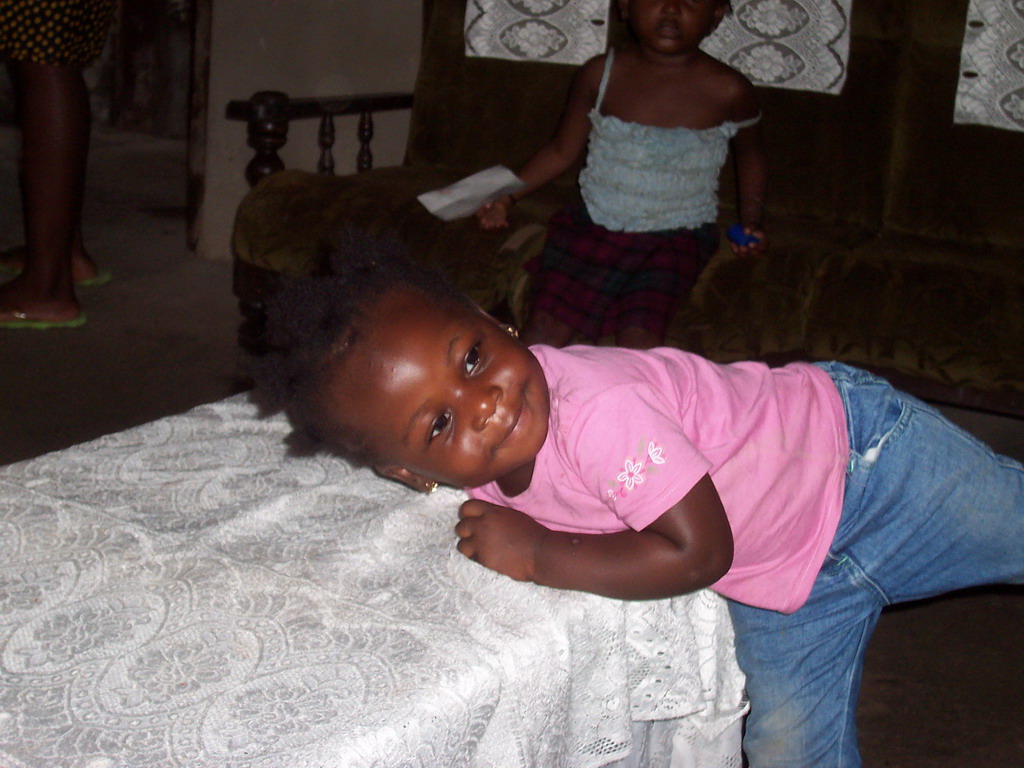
631 432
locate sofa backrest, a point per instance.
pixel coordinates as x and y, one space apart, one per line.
885 153
882 155
473 112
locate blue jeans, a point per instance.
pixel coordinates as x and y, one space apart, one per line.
928 509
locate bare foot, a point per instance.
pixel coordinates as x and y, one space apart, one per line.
83 268
18 302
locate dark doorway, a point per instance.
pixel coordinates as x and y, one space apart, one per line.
152 66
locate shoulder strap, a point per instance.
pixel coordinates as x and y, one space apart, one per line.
604 78
748 122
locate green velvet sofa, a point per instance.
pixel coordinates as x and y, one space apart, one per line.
897 237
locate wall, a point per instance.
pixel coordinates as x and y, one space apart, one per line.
303 48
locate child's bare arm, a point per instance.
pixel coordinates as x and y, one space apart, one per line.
689 547
752 179
557 155
742 104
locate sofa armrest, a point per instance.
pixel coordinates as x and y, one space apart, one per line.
268 114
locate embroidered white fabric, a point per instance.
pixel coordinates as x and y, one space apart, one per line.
558 31
799 44
184 594
991 86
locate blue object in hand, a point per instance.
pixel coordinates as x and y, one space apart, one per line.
738 236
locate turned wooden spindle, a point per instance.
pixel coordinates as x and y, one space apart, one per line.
325 139
268 132
364 160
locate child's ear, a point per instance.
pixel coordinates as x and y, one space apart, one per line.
405 476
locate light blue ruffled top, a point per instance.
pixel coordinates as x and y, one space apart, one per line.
641 178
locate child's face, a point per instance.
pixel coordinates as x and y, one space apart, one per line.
444 392
672 26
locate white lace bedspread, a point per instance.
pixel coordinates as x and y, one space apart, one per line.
184 594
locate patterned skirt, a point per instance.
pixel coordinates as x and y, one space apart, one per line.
57 32
599 282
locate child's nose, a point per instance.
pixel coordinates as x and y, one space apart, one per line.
485 406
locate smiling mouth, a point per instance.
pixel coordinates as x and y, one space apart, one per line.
513 424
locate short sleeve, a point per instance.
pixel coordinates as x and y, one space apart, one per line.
633 454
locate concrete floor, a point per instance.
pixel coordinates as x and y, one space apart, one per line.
159 338
944 683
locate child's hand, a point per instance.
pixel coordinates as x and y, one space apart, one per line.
494 215
756 243
502 539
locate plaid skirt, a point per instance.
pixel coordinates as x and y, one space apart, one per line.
57 32
599 282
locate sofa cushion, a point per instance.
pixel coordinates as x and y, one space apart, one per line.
289 221
752 307
917 306
900 303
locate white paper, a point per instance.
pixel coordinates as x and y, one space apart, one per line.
466 195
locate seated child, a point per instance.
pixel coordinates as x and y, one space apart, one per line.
811 496
656 119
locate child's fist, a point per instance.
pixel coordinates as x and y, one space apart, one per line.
502 539
494 215
747 241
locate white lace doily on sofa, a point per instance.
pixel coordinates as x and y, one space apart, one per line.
991 86
556 31
184 594
798 44
801 44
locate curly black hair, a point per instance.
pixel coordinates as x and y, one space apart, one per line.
314 322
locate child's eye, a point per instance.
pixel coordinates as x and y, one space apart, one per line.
472 359
439 425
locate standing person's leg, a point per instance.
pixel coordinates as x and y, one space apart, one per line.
84 270
55 126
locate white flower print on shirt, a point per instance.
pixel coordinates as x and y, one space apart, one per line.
635 470
632 475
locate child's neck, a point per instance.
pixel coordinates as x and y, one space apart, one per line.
518 480
677 60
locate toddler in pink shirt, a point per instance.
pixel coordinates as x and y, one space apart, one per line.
772 440
810 496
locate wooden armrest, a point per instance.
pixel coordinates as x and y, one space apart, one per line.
268 114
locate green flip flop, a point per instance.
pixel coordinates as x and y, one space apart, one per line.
102 277
20 321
